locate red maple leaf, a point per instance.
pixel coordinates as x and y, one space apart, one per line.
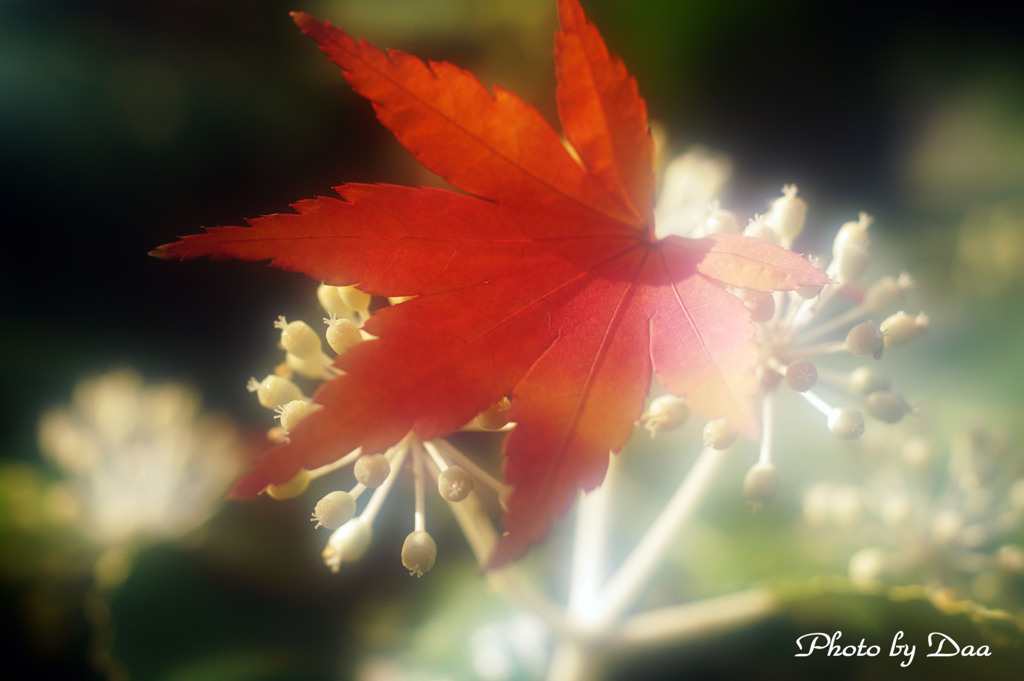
544 281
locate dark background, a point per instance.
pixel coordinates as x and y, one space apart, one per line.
123 125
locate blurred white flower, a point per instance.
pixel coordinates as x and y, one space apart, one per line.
921 516
143 463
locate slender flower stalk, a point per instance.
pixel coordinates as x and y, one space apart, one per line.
688 621
634 574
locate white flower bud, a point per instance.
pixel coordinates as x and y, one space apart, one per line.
372 470
886 292
851 263
274 391
330 301
317 367
718 434
761 483
298 338
291 413
882 294
865 339
342 333
852 233
846 423
347 544
495 417
865 380
356 300
902 328
343 301
334 510
454 483
721 221
887 406
419 553
666 412
760 303
801 375
808 292
290 489
759 229
788 214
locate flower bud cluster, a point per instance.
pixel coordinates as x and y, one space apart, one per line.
799 331
794 339
306 363
946 516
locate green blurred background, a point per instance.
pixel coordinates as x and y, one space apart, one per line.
125 124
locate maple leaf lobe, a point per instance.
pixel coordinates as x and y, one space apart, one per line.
491 145
603 115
